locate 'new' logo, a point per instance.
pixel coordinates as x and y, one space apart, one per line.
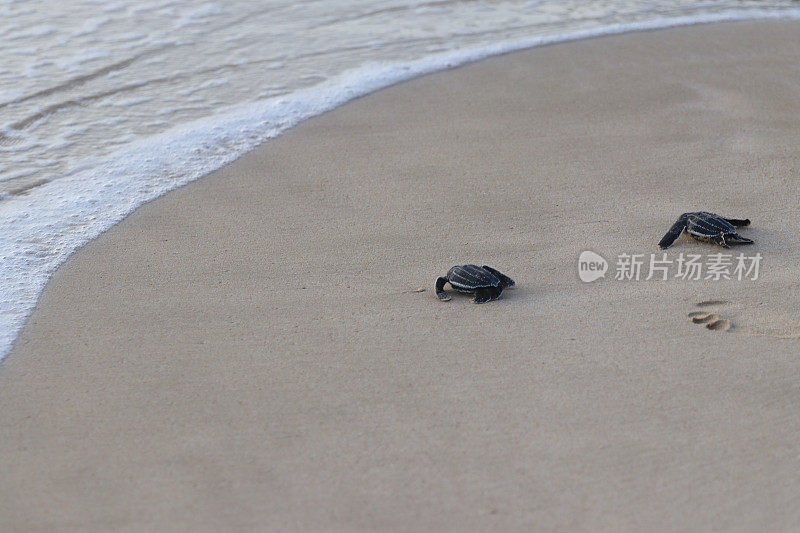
591 266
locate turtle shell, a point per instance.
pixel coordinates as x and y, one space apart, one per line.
705 224
467 278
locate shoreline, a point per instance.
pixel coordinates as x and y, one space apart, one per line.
102 209
248 350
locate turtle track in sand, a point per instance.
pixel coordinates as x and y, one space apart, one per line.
755 319
712 320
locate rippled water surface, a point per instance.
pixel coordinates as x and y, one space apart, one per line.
107 104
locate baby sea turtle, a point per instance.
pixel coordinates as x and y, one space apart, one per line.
706 227
484 282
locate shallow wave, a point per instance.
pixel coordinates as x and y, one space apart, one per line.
153 145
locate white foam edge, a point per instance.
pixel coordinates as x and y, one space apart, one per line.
72 210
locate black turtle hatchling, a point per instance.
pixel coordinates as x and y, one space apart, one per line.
484 282
706 227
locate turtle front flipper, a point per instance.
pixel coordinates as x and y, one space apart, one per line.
737 222
673 233
487 294
443 296
482 296
721 240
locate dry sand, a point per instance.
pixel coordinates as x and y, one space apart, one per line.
250 352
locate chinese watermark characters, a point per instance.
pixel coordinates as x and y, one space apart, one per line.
688 267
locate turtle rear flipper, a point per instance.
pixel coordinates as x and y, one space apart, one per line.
505 281
737 239
737 222
673 233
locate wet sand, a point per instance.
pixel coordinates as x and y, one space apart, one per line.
251 352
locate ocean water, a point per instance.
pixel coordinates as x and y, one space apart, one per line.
107 104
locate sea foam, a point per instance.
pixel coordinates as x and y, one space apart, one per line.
49 216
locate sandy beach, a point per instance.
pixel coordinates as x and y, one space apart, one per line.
253 351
